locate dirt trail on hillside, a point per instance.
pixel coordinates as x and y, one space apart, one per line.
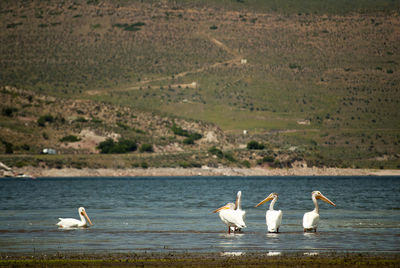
236 59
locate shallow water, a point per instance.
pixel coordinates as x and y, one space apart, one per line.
165 214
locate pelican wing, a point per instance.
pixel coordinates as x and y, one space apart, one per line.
233 217
69 223
310 220
273 220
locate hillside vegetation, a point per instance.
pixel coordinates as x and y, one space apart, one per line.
316 82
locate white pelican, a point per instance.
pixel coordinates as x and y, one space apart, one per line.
232 214
71 223
273 217
311 219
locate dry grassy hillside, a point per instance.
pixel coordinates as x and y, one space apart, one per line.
312 82
92 122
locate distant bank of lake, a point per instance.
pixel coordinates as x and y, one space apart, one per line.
204 171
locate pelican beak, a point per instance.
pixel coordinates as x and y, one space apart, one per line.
323 198
221 208
87 217
270 197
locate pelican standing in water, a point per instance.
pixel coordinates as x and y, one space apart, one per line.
273 217
311 219
232 214
73 223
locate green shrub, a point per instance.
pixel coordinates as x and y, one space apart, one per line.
268 159
21 164
135 165
253 145
146 148
122 125
96 121
246 163
25 147
70 138
106 146
139 131
186 164
229 157
215 151
78 165
185 133
144 165
92 2
294 66
81 120
179 131
277 163
45 118
41 122
13 25
188 141
195 136
129 27
8 111
122 146
9 147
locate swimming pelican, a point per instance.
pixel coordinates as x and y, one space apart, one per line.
273 217
311 219
232 214
71 223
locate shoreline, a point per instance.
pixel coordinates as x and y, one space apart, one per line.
260 259
204 171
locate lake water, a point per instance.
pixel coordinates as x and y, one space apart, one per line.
173 214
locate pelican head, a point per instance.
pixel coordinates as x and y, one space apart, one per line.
82 213
270 197
319 195
227 206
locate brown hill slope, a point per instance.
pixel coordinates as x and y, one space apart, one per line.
91 122
318 83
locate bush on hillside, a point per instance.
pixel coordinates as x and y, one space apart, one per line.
144 165
246 163
253 145
70 138
45 118
9 147
81 119
268 159
8 111
146 148
215 151
109 146
130 27
188 141
192 136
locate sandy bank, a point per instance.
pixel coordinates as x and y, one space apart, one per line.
86 172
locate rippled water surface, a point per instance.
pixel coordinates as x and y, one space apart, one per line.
174 214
